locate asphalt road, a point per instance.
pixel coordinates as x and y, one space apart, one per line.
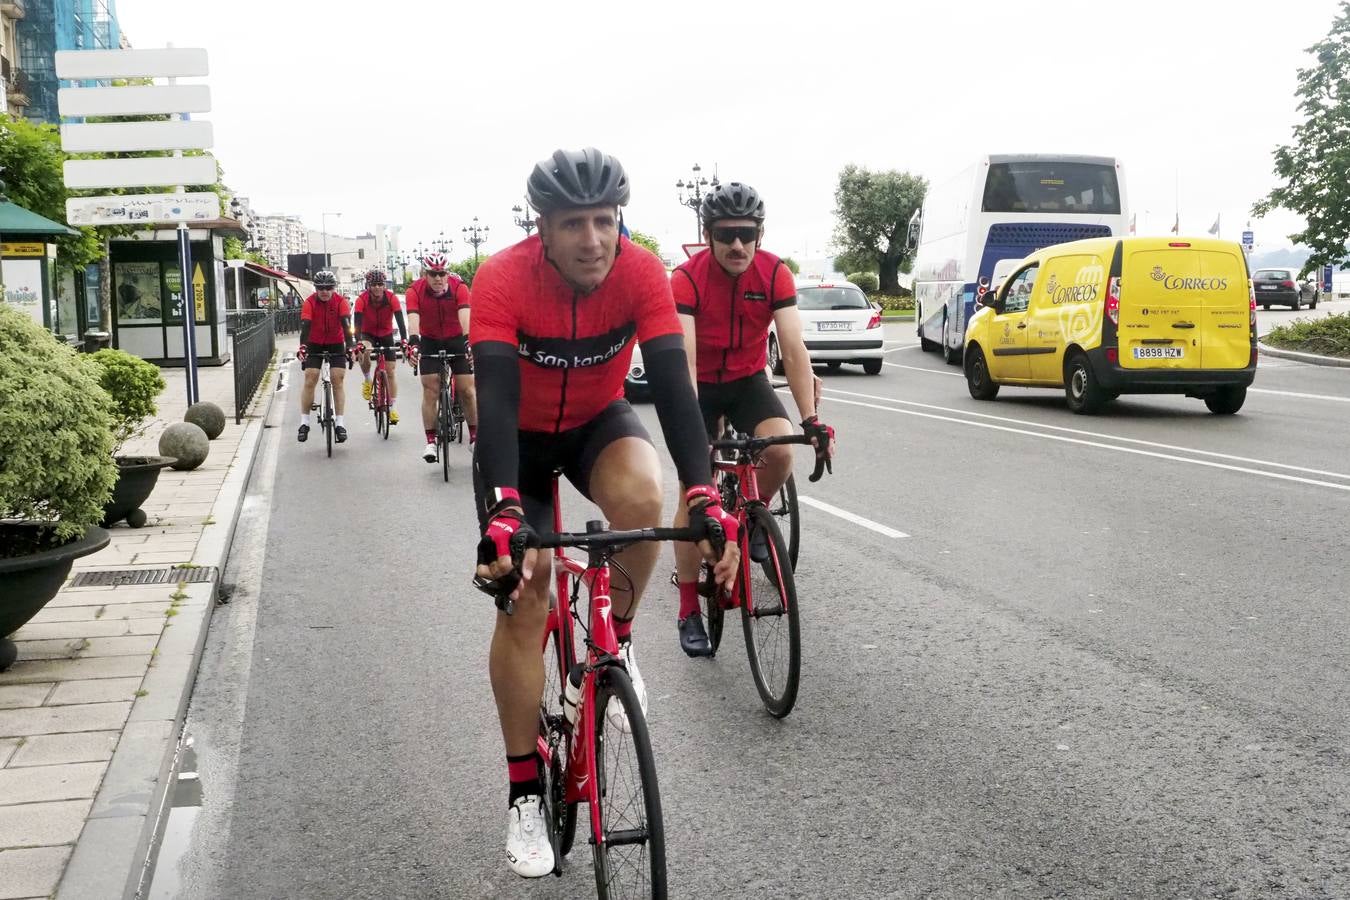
1107 659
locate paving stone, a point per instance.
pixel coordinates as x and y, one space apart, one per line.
43 824
57 749
91 628
95 690
109 611
30 671
88 648
7 748
31 872
60 719
166 558
104 861
21 695
35 784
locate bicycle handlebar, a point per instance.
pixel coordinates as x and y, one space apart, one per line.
753 445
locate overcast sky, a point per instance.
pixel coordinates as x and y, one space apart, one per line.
426 114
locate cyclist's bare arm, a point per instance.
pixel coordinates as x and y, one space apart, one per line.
691 348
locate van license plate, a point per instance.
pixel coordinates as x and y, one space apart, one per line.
833 326
1158 353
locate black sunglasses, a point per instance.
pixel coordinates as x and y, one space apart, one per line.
432 273
726 234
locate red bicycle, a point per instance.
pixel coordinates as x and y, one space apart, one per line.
379 394
766 591
586 758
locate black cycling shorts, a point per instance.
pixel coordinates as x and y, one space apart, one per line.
572 452
745 401
315 361
385 341
459 363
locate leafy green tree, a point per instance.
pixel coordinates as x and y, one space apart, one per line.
874 209
792 265
1315 167
467 268
646 240
234 249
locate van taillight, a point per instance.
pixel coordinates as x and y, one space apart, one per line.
1251 301
875 321
1113 300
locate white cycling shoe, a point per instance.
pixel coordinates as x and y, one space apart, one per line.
615 713
528 850
429 454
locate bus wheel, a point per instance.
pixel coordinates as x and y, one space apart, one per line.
950 354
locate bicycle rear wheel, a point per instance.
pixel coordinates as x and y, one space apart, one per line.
443 431
789 515
557 737
629 852
773 640
328 415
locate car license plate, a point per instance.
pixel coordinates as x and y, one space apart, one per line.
1267 287
833 326
1158 353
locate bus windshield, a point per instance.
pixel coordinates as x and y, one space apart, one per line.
1042 186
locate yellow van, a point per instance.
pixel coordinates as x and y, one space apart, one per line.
1111 316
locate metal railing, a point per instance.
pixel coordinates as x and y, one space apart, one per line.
254 346
284 321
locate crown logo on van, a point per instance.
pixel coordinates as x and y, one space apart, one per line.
1051 285
1178 283
1157 274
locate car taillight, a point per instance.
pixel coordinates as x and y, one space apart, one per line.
875 321
1287 285
1113 300
1251 299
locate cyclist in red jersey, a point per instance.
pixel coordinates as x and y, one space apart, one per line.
438 316
727 296
325 327
554 321
377 309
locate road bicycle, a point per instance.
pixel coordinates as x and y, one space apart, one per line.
766 591
379 394
326 420
586 759
449 412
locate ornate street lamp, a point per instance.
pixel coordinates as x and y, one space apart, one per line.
476 235
523 219
693 191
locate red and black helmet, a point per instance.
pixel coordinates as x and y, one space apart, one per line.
375 278
435 262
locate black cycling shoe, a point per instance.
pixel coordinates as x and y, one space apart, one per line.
759 545
303 435
693 639
340 434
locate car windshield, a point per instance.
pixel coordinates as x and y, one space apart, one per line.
1039 186
831 298
1274 274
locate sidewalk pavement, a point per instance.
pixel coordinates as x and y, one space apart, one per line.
92 711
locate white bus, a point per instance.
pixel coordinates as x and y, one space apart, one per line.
1003 207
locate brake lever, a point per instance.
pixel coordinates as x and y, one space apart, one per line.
501 589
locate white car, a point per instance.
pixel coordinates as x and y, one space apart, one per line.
839 325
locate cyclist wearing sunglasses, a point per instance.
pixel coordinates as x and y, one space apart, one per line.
325 327
554 322
376 311
438 320
727 296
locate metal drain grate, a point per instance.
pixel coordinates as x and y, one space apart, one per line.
119 577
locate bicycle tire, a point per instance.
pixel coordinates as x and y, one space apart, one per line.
382 403
619 835
328 415
768 601
558 736
787 509
715 615
443 430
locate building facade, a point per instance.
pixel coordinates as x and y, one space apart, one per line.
14 90
278 237
47 26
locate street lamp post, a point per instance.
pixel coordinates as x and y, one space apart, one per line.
443 243
692 192
523 219
474 234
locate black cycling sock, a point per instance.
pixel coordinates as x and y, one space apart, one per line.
524 775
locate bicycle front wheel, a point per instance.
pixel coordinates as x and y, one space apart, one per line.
328 415
629 849
789 517
557 737
773 639
382 403
443 432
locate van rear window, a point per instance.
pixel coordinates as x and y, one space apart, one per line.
1040 186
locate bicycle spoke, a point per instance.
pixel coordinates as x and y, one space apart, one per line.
770 621
630 862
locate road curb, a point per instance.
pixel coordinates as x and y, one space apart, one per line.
116 847
1311 358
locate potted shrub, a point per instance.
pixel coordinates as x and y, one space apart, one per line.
132 384
56 468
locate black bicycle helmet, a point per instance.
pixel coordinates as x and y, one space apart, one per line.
573 179
325 278
733 200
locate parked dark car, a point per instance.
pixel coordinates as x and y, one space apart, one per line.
1283 287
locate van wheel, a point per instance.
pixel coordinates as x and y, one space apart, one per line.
952 356
872 366
1081 390
1312 304
1227 400
982 387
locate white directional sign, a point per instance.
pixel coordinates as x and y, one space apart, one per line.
123 136
167 62
142 209
147 171
137 100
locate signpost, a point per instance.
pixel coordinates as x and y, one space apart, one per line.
176 135
1248 241
1327 273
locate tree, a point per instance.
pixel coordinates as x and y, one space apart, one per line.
792 265
874 209
1315 167
234 249
646 240
467 268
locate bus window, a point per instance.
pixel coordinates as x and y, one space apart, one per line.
1037 186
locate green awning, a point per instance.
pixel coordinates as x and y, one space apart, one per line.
17 221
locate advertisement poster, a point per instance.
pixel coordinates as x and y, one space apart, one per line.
137 293
23 286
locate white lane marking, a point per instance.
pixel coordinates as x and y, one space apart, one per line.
1097 434
906 347
1118 449
1252 390
852 517
922 369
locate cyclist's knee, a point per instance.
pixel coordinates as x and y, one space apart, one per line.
636 503
778 457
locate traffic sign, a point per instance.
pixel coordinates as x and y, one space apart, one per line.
127 136
138 100
142 209
161 62
145 171
1327 272
1248 240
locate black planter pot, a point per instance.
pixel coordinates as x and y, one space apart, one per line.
27 583
136 478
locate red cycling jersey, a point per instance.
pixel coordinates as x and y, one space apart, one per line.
439 316
377 314
732 314
574 349
325 318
